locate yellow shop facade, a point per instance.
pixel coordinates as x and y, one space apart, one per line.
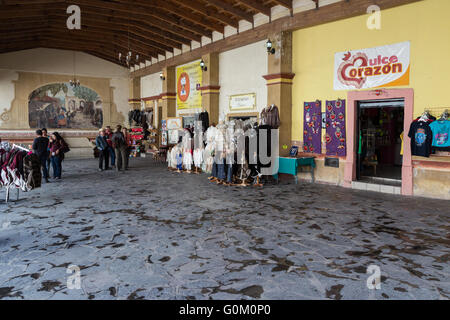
380 113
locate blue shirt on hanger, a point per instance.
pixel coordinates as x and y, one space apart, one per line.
441 133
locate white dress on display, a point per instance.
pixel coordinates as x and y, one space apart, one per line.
187 160
173 157
198 157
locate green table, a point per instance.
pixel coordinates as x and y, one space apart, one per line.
291 165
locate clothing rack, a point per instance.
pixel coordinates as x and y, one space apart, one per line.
21 148
8 188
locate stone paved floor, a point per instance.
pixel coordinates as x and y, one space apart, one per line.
154 234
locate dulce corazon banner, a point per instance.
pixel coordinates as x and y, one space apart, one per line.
385 66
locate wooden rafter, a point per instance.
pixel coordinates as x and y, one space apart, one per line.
148 28
258 6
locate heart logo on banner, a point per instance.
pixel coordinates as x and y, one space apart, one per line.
357 61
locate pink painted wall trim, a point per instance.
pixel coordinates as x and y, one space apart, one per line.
353 97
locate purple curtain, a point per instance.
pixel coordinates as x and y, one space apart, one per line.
312 127
335 137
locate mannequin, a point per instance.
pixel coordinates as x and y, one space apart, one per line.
187 151
208 154
198 159
173 158
220 152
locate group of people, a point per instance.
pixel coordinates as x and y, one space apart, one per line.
113 146
50 150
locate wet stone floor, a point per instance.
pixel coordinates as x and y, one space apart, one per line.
154 234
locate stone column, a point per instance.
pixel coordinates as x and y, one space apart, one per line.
210 86
168 95
279 85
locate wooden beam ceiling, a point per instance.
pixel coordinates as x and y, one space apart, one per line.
305 19
148 28
151 28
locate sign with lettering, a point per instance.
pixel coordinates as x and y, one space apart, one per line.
385 66
243 102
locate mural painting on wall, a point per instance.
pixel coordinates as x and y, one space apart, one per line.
59 105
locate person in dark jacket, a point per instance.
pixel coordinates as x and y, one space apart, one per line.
120 147
45 135
40 148
56 155
103 148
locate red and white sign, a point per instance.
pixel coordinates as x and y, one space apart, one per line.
386 66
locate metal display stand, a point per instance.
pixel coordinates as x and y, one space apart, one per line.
8 194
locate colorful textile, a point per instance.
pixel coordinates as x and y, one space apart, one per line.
335 128
312 142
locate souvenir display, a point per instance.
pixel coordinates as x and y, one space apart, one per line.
217 154
137 147
140 118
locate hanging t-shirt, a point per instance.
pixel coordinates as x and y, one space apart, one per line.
401 149
421 138
441 133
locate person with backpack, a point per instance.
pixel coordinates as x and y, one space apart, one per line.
40 148
57 148
120 147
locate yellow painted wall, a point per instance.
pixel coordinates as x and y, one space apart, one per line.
426 24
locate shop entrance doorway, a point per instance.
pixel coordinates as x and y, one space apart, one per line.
379 127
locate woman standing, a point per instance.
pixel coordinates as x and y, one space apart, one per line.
56 155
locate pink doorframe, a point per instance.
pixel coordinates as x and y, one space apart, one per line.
353 97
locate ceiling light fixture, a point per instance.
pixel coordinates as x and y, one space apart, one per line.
129 55
74 82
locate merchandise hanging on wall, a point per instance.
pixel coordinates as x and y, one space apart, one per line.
189 81
335 128
430 134
164 133
312 133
